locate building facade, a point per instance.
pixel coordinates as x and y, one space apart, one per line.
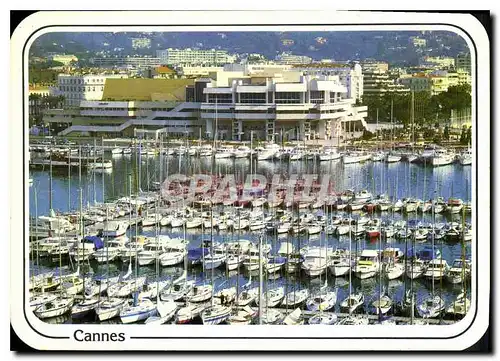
141 43
194 56
463 62
289 58
435 82
289 106
63 58
375 66
75 88
378 83
134 62
438 62
350 76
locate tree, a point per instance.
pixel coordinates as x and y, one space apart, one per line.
446 132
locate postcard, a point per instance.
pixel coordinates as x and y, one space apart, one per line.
273 180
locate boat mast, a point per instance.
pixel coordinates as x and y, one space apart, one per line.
260 279
50 184
94 170
69 178
102 174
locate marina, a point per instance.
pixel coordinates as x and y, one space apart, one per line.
341 236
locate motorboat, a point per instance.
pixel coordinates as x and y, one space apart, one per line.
242 152
442 157
224 153
436 269
367 265
114 228
173 256
465 158
150 253
268 152
275 264
213 260
457 271
315 261
415 268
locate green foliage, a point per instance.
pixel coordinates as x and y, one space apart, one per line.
427 109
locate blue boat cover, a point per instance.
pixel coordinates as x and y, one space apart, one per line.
98 242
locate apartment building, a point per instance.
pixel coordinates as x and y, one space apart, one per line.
194 56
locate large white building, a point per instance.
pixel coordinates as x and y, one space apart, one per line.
128 61
194 56
289 58
76 88
286 106
350 76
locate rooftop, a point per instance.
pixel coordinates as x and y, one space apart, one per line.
146 89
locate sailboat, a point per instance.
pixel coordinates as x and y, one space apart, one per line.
214 314
354 300
164 312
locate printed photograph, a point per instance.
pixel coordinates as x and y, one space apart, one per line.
250 178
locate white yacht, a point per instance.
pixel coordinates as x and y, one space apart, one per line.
242 152
268 152
436 269
442 157
329 153
367 265
136 312
465 158
315 261
114 228
224 153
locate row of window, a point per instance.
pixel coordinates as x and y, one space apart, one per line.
81 81
80 88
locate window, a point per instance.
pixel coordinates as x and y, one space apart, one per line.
220 98
287 98
317 97
253 98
